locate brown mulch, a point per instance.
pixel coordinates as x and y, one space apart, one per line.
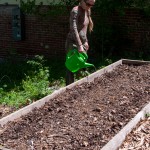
85 117
139 138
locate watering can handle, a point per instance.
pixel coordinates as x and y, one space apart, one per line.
71 52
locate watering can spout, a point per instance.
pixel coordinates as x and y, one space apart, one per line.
88 65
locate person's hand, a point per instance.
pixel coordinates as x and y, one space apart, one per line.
86 46
81 49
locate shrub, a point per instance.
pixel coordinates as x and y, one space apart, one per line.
34 86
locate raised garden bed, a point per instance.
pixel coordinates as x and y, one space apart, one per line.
85 116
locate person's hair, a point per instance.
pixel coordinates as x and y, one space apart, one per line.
91 25
90 21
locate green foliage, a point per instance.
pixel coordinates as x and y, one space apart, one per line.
53 9
11 71
107 6
101 6
34 86
14 98
29 6
147 115
144 5
2 93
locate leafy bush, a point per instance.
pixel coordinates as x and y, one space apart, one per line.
34 86
14 98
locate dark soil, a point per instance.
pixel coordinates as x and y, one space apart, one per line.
85 117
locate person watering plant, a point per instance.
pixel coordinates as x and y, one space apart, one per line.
80 21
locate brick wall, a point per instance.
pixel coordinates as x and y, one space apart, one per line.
42 36
47 37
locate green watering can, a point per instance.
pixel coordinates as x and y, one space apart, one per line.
75 60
